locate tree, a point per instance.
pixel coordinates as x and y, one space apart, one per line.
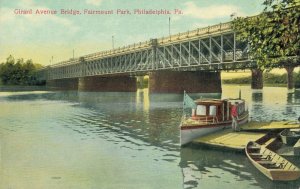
18 72
274 35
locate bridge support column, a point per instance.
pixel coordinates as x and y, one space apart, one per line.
63 84
177 82
108 84
290 77
257 79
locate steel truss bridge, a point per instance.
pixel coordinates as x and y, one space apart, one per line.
209 48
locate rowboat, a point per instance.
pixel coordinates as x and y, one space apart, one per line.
209 115
290 136
271 164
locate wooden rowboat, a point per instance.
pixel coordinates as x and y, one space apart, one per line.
290 136
271 164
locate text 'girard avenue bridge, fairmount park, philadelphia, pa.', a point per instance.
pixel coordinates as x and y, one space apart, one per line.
96 12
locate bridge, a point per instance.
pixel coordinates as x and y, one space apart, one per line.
189 61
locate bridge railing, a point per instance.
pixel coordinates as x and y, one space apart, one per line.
218 28
66 62
117 51
108 53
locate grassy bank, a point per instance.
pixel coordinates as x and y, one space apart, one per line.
269 79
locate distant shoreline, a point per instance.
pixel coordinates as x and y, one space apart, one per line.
16 88
269 79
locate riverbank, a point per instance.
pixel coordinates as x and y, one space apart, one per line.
269 79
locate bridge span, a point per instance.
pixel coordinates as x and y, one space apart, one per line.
189 61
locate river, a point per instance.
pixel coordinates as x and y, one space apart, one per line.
81 140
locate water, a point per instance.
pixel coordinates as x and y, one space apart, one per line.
123 140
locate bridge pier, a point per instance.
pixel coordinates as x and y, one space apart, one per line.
290 77
63 84
190 81
257 79
108 84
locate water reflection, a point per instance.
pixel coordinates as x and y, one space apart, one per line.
257 96
135 131
202 166
142 99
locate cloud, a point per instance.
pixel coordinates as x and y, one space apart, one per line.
211 12
34 36
25 25
93 2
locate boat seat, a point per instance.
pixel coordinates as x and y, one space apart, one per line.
258 158
254 147
266 162
255 154
274 167
258 155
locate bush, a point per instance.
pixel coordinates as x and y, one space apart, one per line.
18 72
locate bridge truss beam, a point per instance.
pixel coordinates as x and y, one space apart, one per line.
212 52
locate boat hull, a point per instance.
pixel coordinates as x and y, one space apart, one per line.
189 133
275 174
288 138
287 172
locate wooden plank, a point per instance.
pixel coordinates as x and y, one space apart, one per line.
266 162
297 148
229 139
297 145
254 147
252 125
255 154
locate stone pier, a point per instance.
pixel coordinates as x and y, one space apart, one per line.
290 77
63 84
190 81
108 84
257 79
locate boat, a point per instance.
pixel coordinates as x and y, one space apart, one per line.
272 165
204 116
290 136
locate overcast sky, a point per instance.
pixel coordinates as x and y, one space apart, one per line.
39 37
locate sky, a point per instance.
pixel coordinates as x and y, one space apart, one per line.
41 37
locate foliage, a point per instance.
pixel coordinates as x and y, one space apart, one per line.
273 35
18 72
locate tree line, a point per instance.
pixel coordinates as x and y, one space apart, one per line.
268 79
18 72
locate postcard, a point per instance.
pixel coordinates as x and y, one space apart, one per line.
149 94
